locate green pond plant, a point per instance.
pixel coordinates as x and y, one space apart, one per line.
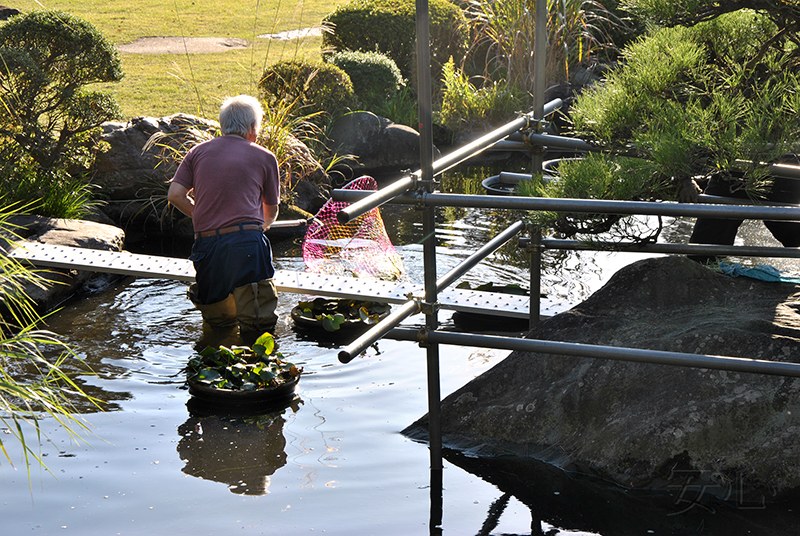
332 314
241 368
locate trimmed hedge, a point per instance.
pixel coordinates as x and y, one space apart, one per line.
389 27
375 76
312 86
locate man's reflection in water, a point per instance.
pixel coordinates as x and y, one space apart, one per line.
241 452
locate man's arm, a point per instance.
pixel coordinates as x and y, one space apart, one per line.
270 215
178 196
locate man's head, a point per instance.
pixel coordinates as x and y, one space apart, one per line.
240 115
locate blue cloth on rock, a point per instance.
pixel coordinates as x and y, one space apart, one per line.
764 272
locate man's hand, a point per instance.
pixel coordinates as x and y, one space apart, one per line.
270 215
689 191
178 196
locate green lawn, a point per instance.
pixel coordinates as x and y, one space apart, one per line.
163 84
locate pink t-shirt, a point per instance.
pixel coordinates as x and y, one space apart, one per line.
230 177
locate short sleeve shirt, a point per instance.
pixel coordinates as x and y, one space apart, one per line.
231 177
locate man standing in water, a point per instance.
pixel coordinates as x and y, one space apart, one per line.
236 191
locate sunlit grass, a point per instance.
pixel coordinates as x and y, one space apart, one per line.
164 84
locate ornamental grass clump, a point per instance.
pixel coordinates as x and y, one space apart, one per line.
33 384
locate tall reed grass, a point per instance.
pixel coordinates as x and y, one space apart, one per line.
503 38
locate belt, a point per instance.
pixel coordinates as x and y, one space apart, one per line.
232 229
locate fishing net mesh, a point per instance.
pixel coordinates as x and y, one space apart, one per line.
360 248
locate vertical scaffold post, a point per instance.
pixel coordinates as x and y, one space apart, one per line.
539 57
535 250
429 260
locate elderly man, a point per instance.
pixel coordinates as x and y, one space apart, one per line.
235 199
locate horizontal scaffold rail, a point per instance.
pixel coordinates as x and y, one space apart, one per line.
153 266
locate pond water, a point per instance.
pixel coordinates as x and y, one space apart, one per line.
334 462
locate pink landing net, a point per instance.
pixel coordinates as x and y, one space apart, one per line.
360 248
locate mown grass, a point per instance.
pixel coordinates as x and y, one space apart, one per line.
163 84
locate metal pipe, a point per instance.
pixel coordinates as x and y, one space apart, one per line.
657 357
439 166
376 198
280 224
484 142
349 352
539 62
720 200
505 145
534 247
481 144
562 142
677 249
479 255
592 206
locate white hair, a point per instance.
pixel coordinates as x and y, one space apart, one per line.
240 115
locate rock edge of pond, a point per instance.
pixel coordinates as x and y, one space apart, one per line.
640 425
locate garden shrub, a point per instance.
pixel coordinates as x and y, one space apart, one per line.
310 87
375 76
48 122
389 27
716 99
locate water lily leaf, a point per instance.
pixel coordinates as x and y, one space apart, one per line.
208 375
264 345
332 322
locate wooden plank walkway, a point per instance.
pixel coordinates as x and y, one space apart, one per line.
152 266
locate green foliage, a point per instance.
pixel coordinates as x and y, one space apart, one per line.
783 13
375 76
309 87
597 176
503 31
401 108
240 368
466 106
45 389
389 27
48 120
333 314
694 102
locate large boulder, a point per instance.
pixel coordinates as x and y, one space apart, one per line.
62 284
641 425
373 145
134 173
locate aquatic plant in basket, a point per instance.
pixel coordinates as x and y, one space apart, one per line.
242 373
334 314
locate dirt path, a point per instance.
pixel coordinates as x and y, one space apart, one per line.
205 45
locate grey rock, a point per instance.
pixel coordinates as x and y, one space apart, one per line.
8 12
642 425
62 284
378 145
133 175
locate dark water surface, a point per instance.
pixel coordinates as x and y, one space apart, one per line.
332 463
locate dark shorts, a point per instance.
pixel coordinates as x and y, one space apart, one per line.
225 262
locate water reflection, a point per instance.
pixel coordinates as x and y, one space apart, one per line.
241 452
577 502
